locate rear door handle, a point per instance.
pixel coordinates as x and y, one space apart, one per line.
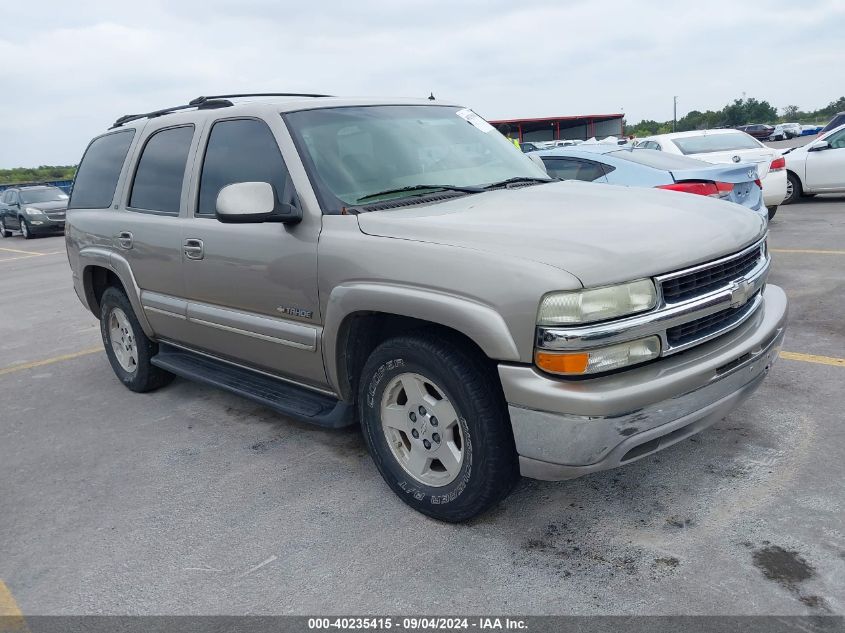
193 249
124 240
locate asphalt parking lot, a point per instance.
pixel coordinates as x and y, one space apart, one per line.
192 501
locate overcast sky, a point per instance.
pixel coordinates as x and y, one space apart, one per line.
71 68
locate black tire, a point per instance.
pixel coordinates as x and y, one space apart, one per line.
490 466
797 189
145 376
4 232
26 231
772 212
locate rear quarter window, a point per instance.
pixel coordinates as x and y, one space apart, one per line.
96 178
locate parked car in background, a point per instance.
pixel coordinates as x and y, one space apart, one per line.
730 146
757 130
32 210
810 130
783 131
530 146
818 167
836 121
636 167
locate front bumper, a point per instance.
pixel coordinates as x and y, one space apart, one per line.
46 225
564 428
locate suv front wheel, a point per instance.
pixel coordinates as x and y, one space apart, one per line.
436 424
26 232
128 348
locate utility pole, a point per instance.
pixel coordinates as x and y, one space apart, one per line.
674 112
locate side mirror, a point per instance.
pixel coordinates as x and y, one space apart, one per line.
818 146
253 203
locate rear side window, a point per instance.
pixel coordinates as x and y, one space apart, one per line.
96 178
241 150
573 169
161 170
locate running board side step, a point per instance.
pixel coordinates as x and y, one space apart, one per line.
290 400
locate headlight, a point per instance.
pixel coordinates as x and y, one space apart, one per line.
597 304
598 360
33 212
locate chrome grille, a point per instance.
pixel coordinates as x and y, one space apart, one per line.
704 327
696 305
702 281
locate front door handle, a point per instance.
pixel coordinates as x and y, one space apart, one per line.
124 240
193 249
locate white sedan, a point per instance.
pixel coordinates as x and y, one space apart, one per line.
818 167
729 146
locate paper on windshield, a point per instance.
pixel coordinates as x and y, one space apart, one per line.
471 117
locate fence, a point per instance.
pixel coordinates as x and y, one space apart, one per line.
64 185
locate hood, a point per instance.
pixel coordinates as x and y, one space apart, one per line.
601 234
55 205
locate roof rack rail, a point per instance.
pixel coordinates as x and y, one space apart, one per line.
200 100
207 103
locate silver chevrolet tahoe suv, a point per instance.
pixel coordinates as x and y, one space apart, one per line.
401 265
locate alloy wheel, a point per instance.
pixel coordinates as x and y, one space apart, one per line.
423 429
122 340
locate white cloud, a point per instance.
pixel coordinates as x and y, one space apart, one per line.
77 66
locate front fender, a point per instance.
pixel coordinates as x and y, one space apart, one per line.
477 321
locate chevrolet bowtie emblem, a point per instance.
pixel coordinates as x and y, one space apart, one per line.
740 293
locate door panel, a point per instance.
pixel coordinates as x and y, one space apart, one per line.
248 275
148 233
252 288
826 168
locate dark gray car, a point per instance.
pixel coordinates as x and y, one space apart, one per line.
32 210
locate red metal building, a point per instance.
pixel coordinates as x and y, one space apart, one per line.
563 127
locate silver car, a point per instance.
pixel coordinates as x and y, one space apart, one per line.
402 266
639 167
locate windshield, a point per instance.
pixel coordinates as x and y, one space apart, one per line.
47 194
355 152
715 143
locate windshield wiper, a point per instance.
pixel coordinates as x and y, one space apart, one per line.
386 192
517 179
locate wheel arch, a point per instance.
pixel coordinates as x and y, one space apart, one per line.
359 318
102 269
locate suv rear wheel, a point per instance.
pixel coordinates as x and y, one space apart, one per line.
128 348
4 232
437 426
